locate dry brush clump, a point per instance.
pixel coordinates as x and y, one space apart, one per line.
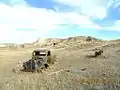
89 38
52 59
96 53
18 68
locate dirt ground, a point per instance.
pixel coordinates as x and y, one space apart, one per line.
99 73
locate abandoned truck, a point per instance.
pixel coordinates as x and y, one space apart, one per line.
41 59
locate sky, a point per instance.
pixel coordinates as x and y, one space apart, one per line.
27 20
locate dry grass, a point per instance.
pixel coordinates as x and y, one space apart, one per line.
82 73
61 81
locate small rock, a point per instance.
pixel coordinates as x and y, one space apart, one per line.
67 70
83 69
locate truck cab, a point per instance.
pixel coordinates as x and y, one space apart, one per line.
40 53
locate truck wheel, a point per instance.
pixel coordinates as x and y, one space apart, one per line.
46 66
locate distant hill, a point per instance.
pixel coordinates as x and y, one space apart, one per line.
70 43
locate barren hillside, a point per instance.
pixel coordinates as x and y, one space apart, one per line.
72 43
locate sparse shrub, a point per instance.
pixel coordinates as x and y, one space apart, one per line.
22 46
89 38
51 59
96 53
54 44
70 38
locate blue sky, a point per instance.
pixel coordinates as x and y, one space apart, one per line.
27 20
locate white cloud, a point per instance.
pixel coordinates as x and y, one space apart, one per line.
91 8
35 22
96 8
22 23
80 20
115 27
